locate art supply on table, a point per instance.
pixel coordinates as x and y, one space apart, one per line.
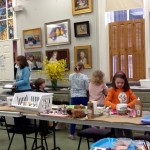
90 110
138 107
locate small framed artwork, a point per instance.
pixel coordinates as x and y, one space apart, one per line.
81 6
81 29
83 54
34 60
57 33
32 38
58 54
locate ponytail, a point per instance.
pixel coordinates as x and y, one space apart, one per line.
78 67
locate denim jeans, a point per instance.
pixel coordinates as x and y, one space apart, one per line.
77 101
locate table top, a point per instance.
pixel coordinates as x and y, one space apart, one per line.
111 121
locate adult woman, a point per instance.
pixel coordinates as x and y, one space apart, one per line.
22 83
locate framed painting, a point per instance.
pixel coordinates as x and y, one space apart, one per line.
81 29
81 6
32 38
83 54
57 33
55 55
34 60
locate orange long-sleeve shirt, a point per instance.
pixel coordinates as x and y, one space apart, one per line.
114 96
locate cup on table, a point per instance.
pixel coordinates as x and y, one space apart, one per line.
9 100
95 107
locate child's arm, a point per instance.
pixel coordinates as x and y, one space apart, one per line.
105 90
108 99
133 97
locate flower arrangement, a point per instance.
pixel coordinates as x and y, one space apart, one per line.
54 70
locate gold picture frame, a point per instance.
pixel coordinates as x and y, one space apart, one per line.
81 6
32 38
83 54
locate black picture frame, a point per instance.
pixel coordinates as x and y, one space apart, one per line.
82 29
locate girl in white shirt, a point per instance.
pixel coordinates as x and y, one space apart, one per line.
79 86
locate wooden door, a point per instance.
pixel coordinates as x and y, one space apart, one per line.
129 48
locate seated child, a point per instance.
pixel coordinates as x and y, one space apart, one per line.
120 93
40 87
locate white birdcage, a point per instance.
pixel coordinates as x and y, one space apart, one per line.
35 101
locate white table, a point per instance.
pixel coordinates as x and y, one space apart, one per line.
140 127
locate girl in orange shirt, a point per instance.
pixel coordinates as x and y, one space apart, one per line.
120 93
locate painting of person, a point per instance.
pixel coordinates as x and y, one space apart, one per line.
54 56
34 60
32 38
31 62
81 4
82 57
58 32
59 54
39 63
81 29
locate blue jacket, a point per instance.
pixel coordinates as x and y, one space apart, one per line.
22 79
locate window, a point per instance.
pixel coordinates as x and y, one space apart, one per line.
124 15
6 20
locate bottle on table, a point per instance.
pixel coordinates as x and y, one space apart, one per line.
90 110
138 108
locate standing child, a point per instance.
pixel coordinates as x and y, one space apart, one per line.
97 87
79 86
120 93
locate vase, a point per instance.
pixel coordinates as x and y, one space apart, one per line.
54 84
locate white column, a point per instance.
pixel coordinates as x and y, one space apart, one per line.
147 35
103 40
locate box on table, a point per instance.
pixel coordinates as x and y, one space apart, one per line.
145 83
35 101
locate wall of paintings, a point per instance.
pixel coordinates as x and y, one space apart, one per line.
60 25
6 20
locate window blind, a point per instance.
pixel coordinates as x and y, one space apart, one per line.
113 5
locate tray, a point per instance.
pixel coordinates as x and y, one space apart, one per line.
146 120
109 143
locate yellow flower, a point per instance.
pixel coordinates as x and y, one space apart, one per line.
54 70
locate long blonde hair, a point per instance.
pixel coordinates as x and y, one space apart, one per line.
97 77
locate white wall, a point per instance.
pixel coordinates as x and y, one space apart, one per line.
38 12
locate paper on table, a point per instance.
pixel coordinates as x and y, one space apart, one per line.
8 86
99 148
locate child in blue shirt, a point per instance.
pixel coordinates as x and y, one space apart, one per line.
79 86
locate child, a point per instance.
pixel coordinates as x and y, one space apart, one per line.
120 93
40 85
97 87
79 85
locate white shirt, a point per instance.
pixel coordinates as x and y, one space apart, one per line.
79 84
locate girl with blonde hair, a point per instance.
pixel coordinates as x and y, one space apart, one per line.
97 87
